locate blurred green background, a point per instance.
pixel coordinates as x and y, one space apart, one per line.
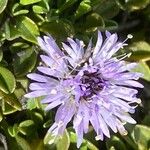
23 123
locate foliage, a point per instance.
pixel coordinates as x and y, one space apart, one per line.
23 123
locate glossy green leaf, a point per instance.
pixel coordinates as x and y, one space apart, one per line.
94 20
73 139
26 127
46 4
1 114
27 28
1 55
11 99
3 4
39 9
26 123
28 2
83 8
47 124
49 139
110 25
140 55
33 103
59 29
21 12
13 130
11 31
24 62
37 145
7 109
146 120
107 9
7 80
66 5
91 23
18 46
63 142
37 118
144 69
22 143
141 136
115 142
18 10
140 51
133 5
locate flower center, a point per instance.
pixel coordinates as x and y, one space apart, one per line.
92 83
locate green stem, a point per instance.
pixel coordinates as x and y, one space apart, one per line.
130 142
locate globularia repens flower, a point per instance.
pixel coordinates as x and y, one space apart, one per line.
90 85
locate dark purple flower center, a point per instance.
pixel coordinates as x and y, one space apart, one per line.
92 83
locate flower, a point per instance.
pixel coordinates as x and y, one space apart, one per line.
91 86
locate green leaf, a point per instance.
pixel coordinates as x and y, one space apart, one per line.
146 120
39 9
22 143
107 9
13 131
7 80
21 12
91 23
140 51
3 4
27 28
33 103
1 114
59 29
83 8
7 109
110 25
37 145
37 118
141 136
63 142
144 69
49 139
11 99
18 46
66 5
116 143
1 54
28 2
47 124
26 127
132 5
73 139
26 123
24 62
18 10
94 20
140 55
11 31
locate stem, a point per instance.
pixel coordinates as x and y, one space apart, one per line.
130 142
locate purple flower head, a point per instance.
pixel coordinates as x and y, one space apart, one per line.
90 85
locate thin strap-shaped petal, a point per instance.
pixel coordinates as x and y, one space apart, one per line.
36 94
98 44
53 105
38 77
70 51
50 72
48 60
103 126
125 117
